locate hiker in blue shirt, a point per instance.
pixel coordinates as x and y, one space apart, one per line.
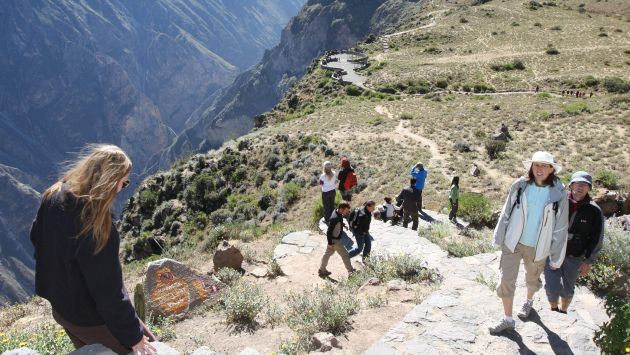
420 174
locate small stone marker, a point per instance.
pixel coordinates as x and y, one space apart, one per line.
171 288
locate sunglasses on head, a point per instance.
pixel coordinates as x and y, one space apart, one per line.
125 184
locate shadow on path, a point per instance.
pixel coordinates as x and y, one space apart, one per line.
558 345
514 336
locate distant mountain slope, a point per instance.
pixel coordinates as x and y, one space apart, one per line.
321 25
123 72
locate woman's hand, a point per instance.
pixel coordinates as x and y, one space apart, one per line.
143 347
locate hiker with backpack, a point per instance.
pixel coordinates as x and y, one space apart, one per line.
532 227
586 237
359 221
347 179
328 183
453 199
410 199
420 174
334 234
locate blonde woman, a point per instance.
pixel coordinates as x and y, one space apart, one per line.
76 254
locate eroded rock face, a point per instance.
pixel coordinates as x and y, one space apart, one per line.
227 255
611 202
173 289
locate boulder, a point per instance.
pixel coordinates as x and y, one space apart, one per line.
396 285
173 289
474 170
227 255
204 350
25 351
324 342
610 202
626 203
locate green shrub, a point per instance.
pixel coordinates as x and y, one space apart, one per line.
243 302
556 28
290 192
45 339
442 84
476 209
148 200
607 178
325 309
406 267
613 337
228 276
376 301
590 81
273 269
576 108
353 90
514 65
494 148
446 237
406 116
162 327
491 284
614 252
552 51
616 85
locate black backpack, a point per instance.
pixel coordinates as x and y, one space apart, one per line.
353 219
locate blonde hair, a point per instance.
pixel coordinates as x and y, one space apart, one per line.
93 180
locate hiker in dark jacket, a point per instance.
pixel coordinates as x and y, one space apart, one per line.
334 234
360 227
409 197
586 236
346 194
76 255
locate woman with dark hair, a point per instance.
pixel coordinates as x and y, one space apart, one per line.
359 221
532 227
453 198
76 254
347 179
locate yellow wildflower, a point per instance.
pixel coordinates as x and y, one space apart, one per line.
2 334
5 340
22 344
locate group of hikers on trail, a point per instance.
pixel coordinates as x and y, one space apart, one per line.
78 268
549 229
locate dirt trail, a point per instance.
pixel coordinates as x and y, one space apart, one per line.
439 160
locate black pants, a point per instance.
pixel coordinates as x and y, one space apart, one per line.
453 214
410 215
420 200
328 201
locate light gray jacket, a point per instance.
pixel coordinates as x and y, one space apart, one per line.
552 240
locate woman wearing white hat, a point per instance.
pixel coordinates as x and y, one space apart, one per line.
532 227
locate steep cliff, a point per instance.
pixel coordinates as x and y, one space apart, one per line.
122 72
321 25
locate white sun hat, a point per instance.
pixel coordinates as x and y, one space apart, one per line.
542 157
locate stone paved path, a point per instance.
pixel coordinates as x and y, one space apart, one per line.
343 63
454 319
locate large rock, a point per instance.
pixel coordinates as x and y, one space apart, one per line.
610 202
172 289
93 349
324 342
474 170
227 255
21 351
